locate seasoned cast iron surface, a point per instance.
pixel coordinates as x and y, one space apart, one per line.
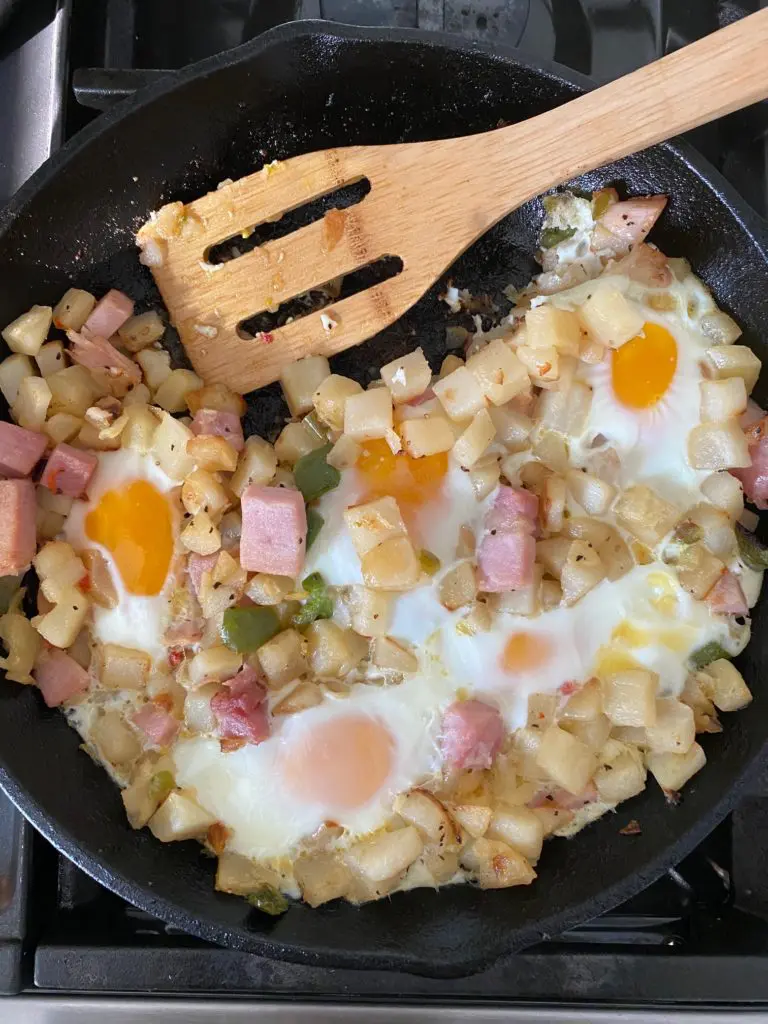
301 89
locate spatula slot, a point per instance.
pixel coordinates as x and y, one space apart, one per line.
325 296
252 236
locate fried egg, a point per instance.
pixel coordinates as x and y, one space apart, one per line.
130 518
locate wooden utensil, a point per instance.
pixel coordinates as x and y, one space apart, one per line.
428 202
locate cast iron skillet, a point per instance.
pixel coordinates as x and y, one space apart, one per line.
308 87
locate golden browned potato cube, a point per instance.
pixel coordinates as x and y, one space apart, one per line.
300 381
333 651
368 416
722 399
565 759
212 453
322 877
373 523
73 309
672 771
621 774
31 405
426 436
460 394
385 855
458 587
724 685
201 535
156 364
674 730
473 818
202 491
428 816
474 441
584 705
114 739
172 393
645 515
698 570
282 658
13 370
495 865
50 359
72 391
141 331
582 570
241 876
370 611
546 326
28 332
257 464
407 377
718 446
169 447
499 372
124 668
610 317
389 654
330 397
520 828
179 817
629 697
216 396
392 565
735 361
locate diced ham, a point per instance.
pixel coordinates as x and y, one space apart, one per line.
18 511
221 424
625 224
471 735
240 708
59 677
646 265
96 353
507 549
157 724
727 597
754 478
20 449
109 314
563 800
197 565
274 531
69 470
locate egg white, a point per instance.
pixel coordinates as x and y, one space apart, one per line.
135 621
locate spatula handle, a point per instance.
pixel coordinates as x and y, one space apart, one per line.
714 76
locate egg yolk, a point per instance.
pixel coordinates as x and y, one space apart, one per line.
643 367
340 763
524 652
412 482
134 525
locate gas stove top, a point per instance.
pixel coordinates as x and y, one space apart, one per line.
698 937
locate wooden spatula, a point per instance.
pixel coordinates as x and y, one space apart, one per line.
428 202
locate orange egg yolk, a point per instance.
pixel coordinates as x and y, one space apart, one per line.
134 524
643 367
341 763
524 652
412 482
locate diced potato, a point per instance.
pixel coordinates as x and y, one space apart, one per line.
718 446
264 588
322 877
553 819
552 496
386 854
13 371
513 428
547 326
645 515
520 828
139 432
582 570
202 491
674 730
73 309
300 381
724 491
704 711
141 330
344 453
212 453
389 654
294 441
156 364
92 437
565 759
593 733
169 448
124 668
460 394
721 328
495 865
722 399
64 621
241 876
610 317
368 415
629 697
218 397
31 405
23 644
73 390
552 451
449 364
484 476
407 377
28 332
672 771
305 695
724 685
585 705
257 464
101 588
213 664
62 427
593 494
552 553
370 611
330 396
716 529
333 651
392 565
698 570
282 658
50 359
171 394
114 739
179 817
428 816
565 411
621 774
542 364
735 361
143 795
58 568
550 595
427 436
458 587
373 523
201 535
473 818
198 715
499 372
474 441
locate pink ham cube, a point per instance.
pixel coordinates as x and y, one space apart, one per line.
20 449
69 470
471 735
274 531
18 510
505 561
157 724
220 424
59 677
109 314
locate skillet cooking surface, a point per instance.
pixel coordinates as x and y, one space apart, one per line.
302 88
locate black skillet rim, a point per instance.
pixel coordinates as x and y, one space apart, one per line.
154 903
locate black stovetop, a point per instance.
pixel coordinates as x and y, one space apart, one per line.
697 936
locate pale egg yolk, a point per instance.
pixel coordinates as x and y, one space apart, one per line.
524 652
412 482
341 763
643 367
134 525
